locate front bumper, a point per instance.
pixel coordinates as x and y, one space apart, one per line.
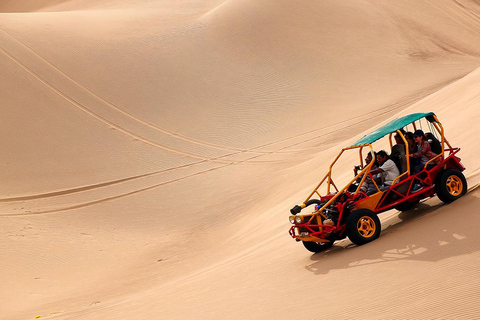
314 233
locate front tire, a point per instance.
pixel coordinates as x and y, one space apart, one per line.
363 226
450 185
317 247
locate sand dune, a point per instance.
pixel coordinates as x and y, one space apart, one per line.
152 150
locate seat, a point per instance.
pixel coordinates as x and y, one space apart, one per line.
398 156
435 145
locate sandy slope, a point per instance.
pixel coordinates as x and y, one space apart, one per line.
152 149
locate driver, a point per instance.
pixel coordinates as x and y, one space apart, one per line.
387 171
368 185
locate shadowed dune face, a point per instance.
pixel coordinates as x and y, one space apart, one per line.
11 6
180 7
151 151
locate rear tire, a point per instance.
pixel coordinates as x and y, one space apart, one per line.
363 226
317 247
450 185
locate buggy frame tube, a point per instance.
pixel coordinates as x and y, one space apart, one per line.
367 168
437 124
407 156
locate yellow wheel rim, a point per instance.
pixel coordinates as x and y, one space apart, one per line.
366 227
454 185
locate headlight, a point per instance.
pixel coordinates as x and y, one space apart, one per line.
292 219
298 220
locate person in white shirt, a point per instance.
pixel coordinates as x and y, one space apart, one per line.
387 172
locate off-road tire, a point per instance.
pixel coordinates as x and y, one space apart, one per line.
317 247
450 185
363 226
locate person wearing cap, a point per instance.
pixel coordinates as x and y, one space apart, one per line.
424 151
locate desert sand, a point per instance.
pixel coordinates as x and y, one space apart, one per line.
152 149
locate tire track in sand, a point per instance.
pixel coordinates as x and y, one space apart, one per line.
92 186
102 200
382 111
100 118
80 106
207 144
173 134
126 194
390 108
129 115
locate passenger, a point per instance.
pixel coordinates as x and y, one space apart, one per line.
423 153
411 142
412 148
367 185
387 171
398 152
398 138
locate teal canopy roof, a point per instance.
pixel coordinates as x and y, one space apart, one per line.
392 126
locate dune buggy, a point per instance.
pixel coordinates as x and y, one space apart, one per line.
351 212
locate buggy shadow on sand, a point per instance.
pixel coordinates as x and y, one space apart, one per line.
351 212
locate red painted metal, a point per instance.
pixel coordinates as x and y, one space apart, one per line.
426 177
451 161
